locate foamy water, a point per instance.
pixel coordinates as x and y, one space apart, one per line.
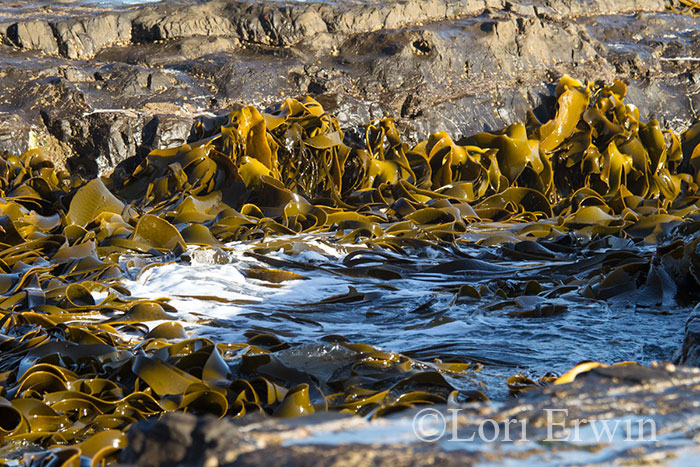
415 314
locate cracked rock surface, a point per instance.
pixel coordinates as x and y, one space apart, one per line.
654 406
96 86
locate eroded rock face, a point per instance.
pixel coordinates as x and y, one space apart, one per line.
73 33
689 353
100 80
183 439
662 397
15 133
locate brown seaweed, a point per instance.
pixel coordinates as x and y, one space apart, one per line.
71 380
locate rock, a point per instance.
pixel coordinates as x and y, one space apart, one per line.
102 140
355 455
127 81
33 35
183 439
81 39
689 353
77 34
461 67
159 81
662 397
195 47
15 134
207 256
170 131
189 22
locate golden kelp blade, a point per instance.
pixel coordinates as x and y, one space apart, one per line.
69 376
685 6
91 200
584 367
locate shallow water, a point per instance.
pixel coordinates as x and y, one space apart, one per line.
27 10
416 314
116 2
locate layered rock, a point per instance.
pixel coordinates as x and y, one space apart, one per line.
663 398
99 80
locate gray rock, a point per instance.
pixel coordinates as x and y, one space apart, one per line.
435 65
689 353
82 39
170 131
33 35
662 396
103 140
15 134
183 439
77 34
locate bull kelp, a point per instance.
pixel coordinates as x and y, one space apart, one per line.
83 359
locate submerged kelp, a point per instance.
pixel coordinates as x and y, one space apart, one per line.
80 364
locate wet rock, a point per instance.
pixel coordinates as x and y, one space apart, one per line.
15 134
355 455
195 47
689 353
170 131
663 397
462 67
183 439
415 69
564 8
129 82
207 256
103 140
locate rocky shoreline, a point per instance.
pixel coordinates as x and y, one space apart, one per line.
95 87
664 394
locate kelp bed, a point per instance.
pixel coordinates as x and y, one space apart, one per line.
80 364
685 6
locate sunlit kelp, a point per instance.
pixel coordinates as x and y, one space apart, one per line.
77 370
594 169
685 6
68 384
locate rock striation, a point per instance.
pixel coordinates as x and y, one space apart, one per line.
102 85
